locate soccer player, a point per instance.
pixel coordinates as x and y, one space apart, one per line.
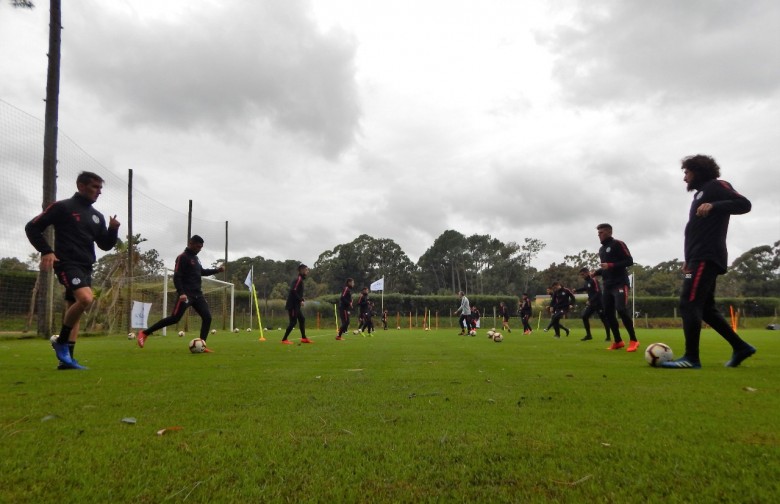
294 306
615 259
525 313
362 308
187 278
368 319
464 321
706 257
345 307
562 301
78 227
384 320
593 305
475 314
503 312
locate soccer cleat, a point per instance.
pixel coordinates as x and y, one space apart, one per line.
567 331
587 337
740 355
616 345
286 342
632 346
545 329
681 363
141 338
207 350
73 364
339 338
306 340
62 353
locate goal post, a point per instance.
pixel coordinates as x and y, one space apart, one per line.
220 295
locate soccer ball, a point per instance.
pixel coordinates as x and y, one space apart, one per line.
213 331
656 353
491 333
497 337
473 332
197 345
181 334
398 327
248 329
54 338
355 332
131 335
235 329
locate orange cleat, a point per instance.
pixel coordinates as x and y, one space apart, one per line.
141 338
339 338
286 342
616 345
306 340
207 350
633 346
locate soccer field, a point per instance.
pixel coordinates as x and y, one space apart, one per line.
404 416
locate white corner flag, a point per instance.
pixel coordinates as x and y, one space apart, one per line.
248 280
379 285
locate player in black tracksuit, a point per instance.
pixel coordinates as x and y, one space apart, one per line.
706 257
187 276
525 313
593 305
294 306
345 307
615 259
78 227
562 301
503 312
362 309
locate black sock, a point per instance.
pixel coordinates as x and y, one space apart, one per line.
71 348
62 339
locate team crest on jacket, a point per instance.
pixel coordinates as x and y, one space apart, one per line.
609 249
698 195
76 281
96 219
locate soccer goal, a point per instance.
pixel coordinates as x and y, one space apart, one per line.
219 295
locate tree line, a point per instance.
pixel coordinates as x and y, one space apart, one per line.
476 264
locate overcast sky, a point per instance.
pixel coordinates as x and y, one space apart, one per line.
307 123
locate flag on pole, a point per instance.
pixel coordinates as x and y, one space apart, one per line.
379 285
248 280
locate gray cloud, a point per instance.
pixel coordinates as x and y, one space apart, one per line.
667 51
230 71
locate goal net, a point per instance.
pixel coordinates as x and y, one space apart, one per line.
111 311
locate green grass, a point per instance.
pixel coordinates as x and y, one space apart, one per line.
406 416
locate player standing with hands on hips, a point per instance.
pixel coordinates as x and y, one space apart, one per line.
706 257
77 228
187 278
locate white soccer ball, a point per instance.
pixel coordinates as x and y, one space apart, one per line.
181 334
473 332
497 337
213 331
197 345
355 332
131 335
427 328
398 327
235 329
54 338
248 329
656 353
491 333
